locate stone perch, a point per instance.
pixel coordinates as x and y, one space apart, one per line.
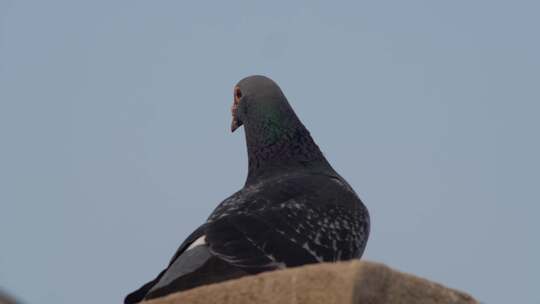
355 282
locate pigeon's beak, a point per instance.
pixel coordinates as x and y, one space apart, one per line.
236 122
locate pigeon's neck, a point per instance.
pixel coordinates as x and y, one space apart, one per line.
273 149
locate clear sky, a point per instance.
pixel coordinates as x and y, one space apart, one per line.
115 140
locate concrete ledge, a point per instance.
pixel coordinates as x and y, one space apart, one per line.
355 282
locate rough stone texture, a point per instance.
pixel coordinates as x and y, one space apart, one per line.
340 283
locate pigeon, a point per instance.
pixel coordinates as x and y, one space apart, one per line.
294 208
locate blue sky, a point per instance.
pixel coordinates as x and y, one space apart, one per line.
115 141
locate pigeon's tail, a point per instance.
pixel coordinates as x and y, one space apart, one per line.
195 267
139 294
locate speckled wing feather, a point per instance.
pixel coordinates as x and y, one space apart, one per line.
288 222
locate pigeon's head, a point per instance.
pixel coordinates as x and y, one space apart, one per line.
257 98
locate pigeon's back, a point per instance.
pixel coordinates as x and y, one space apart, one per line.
316 212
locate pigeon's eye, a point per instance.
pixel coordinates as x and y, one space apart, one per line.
237 94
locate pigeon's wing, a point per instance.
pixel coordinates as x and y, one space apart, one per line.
139 294
196 266
290 223
195 235
286 223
